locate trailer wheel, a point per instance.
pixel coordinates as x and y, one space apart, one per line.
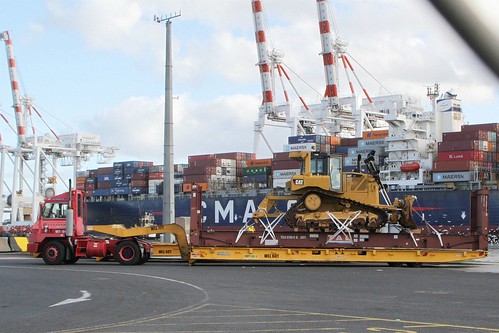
414 264
127 253
395 264
53 253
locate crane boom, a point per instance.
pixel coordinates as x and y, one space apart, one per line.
16 96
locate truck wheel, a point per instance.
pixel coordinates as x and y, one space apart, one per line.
144 259
127 253
71 261
54 253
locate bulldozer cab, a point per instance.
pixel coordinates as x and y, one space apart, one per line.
317 170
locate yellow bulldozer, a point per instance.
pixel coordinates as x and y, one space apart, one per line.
328 199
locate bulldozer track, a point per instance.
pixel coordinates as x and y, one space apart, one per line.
290 215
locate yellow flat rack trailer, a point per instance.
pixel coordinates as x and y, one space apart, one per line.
268 242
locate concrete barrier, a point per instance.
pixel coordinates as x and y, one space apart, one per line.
18 244
4 244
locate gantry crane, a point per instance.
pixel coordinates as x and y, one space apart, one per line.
33 157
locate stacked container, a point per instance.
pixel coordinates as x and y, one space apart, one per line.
315 143
257 174
218 171
467 155
283 168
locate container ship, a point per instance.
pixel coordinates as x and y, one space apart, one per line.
439 168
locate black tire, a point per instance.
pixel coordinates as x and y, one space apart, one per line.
71 261
144 259
395 264
54 253
127 253
414 264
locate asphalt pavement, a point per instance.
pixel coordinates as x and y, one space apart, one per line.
171 296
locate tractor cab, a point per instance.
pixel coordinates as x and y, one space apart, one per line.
317 170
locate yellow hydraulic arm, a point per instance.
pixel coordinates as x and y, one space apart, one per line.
119 230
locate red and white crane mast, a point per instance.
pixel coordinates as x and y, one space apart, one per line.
264 62
16 96
328 56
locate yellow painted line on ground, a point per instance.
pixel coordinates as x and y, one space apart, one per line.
471 328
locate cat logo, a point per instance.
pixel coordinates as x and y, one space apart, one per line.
298 181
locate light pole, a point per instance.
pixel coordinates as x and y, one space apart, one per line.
168 188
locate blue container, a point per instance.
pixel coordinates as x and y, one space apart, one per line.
124 190
320 139
104 178
101 192
138 190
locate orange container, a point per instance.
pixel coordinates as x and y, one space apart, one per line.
378 134
187 187
262 162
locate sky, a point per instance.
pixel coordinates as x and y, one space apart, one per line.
98 66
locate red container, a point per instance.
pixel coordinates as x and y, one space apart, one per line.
282 156
460 136
200 157
139 183
286 164
239 156
156 175
459 145
492 127
442 166
105 171
213 162
139 176
197 179
463 155
193 170
350 141
104 185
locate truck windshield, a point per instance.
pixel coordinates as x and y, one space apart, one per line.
55 210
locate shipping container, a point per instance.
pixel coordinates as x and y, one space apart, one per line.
335 140
281 156
259 162
460 136
442 166
105 171
375 134
376 143
125 190
101 192
139 183
319 139
444 177
350 141
301 147
139 176
286 164
104 178
262 178
279 183
464 155
491 127
257 171
157 175
459 145
285 174
187 187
